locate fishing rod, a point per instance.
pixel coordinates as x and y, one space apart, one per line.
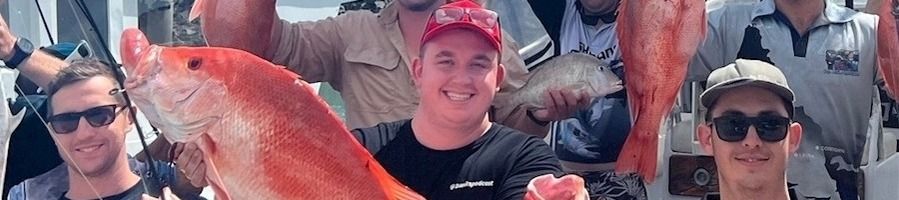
120 79
44 19
153 171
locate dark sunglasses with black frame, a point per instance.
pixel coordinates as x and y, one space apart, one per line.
734 128
97 117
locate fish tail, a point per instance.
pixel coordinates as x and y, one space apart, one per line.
392 188
628 159
638 154
197 9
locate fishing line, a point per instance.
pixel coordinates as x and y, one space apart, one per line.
46 27
120 76
55 139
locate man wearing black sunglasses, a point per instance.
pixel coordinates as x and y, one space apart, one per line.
89 122
748 129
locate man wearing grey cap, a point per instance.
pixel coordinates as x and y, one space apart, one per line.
748 129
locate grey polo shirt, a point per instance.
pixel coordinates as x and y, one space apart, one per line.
832 70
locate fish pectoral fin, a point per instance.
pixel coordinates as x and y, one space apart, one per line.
393 188
197 9
215 181
213 177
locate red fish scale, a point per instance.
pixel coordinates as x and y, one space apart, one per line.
305 150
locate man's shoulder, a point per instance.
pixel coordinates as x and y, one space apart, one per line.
382 128
865 20
49 185
375 137
723 12
513 140
355 15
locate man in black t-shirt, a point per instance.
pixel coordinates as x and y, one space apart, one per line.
450 149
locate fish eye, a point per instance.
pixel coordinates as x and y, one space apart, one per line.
601 68
194 63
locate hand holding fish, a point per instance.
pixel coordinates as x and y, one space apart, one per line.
563 85
560 104
189 161
549 187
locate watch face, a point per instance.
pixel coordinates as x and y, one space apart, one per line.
25 45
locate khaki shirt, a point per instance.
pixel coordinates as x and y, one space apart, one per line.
363 56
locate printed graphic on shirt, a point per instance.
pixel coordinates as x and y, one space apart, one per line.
607 55
471 184
842 61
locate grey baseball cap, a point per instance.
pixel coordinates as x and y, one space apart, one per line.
744 73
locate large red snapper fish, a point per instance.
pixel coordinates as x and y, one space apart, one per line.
239 24
887 41
657 39
263 131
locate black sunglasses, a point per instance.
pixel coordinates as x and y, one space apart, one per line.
735 128
97 117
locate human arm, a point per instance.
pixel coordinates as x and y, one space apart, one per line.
40 67
312 49
532 159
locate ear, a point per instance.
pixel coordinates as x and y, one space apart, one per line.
704 135
500 76
794 134
416 71
129 124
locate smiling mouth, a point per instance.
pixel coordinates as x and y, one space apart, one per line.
88 149
458 97
752 160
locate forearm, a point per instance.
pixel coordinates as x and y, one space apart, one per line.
275 37
520 120
41 68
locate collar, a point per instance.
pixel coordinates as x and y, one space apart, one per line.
593 20
389 14
833 13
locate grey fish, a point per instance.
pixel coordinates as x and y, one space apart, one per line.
576 71
8 124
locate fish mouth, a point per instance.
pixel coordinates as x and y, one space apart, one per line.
147 68
190 93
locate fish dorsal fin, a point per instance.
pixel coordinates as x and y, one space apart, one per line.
197 9
393 188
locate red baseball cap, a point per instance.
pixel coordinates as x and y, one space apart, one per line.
464 14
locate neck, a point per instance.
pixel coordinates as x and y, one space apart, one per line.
801 13
412 25
439 136
767 192
115 181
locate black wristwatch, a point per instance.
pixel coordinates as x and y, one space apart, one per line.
20 51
